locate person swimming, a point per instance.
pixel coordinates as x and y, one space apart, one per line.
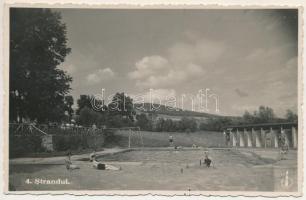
207 160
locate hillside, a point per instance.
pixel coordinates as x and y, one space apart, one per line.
176 113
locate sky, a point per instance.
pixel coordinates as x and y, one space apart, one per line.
246 58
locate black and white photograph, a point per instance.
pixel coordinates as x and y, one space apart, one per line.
187 100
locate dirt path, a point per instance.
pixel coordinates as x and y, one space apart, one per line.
60 159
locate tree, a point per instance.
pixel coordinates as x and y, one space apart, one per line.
38 44
203 126
291 116
264 115
159 124
122 105
118 121
143 122
118 113
83 101
69 103
168 125
188 124
216 124
88 117
248 117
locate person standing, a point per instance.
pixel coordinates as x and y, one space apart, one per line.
92 156
170 140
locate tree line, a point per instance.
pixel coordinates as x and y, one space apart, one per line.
151 121
262 115
118 113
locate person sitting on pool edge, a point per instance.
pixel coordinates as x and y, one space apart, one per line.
68 163
92 156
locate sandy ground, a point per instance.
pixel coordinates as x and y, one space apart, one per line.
164 169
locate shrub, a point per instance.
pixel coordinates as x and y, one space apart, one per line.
24 144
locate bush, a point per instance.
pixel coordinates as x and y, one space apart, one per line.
69 142
77 142
216 124
186 124
24 144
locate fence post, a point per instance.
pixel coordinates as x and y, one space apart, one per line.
130 138
294 137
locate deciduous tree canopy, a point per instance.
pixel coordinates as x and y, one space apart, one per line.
38 44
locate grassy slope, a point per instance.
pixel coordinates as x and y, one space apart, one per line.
177 114
160 139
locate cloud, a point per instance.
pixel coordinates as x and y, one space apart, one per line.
148 66
202 51
171 77
69 68
100 75
241 93
182 63
191 55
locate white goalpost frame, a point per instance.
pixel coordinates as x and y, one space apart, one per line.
139 134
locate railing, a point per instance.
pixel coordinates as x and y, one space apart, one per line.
273 135
43 129
283 125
